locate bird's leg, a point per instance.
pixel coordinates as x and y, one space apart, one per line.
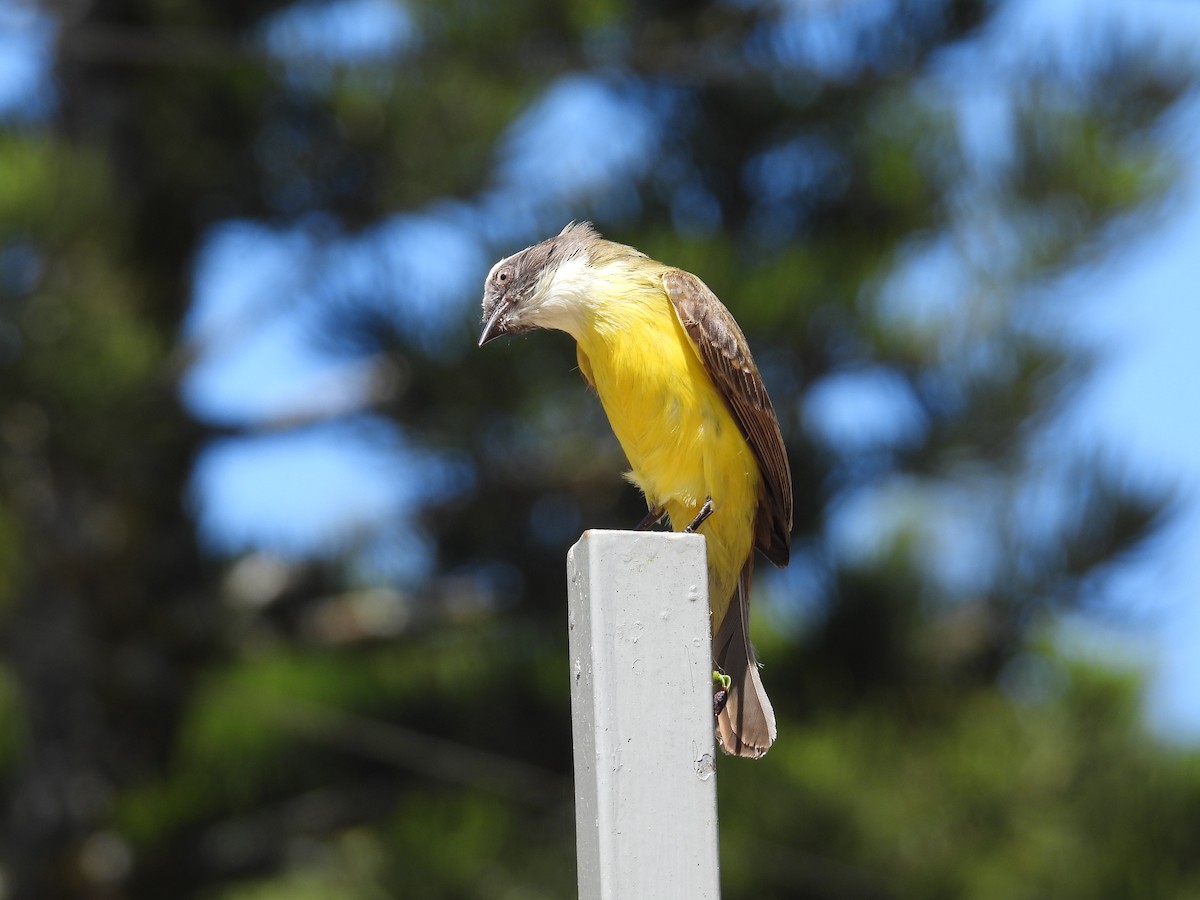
705 511
721 685
652 518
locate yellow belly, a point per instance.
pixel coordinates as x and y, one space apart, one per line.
681 441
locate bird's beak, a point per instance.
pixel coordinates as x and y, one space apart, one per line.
493 328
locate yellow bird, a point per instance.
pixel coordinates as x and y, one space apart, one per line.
689 408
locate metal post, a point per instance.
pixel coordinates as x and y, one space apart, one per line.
641 701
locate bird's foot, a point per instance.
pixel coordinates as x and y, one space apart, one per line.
705 511
652 518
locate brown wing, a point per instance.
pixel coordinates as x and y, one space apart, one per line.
726 357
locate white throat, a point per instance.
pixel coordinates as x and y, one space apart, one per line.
562 297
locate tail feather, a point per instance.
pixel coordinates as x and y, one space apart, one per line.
746 726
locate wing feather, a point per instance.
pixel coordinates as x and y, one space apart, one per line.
726 357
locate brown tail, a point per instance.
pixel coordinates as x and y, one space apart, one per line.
746 726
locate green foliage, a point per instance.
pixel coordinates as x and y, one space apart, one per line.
50 190
1001 798
165 734
13 728
350 868
11 556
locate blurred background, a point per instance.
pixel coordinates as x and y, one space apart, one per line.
282 553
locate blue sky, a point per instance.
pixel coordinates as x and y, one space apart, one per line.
1141 308
26 52
260 295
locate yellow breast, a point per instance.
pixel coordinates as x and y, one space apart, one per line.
682 443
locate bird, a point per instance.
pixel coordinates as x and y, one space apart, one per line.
688 406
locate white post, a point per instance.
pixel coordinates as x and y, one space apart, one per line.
641 705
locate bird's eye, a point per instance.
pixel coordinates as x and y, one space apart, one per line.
503 275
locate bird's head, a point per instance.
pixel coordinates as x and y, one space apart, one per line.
540 287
